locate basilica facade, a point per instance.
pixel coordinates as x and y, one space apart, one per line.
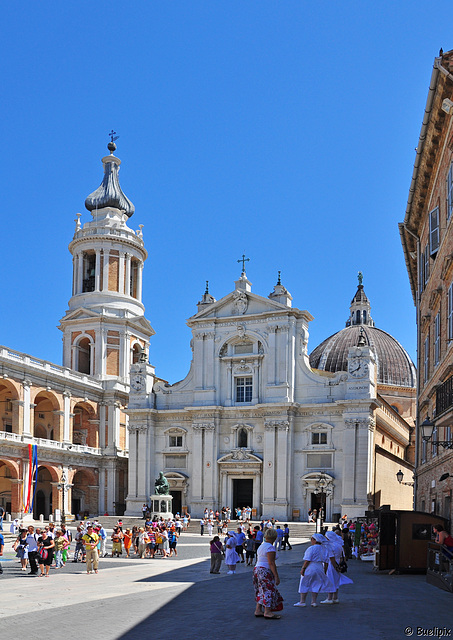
256 422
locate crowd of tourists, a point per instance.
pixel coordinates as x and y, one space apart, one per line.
42 548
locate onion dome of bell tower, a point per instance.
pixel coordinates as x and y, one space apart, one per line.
394 365
109 193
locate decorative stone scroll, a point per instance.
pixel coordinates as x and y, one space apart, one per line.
208 426
280 425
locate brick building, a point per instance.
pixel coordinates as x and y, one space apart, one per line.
427 239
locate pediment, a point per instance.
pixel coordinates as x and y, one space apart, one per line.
239 455
239 304
80 314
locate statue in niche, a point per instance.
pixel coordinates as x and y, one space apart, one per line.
161 486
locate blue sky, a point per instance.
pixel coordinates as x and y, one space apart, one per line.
285 130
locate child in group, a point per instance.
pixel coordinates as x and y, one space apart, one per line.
249 550
313 572
127 541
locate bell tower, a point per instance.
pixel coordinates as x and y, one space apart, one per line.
104 329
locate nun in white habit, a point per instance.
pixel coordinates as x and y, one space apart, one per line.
336 578
313 572
231 556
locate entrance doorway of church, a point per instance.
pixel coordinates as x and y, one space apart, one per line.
176 504
318 501
242 494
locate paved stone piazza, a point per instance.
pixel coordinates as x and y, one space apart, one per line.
178 597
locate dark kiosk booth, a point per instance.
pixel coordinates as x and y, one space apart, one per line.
403 540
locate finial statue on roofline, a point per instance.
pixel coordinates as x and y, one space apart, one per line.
360 278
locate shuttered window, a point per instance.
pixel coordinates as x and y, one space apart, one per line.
434 230
450 192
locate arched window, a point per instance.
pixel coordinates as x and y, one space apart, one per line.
357 317
136 352
84 356
242 438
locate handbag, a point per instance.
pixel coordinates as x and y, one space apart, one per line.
43 554
343 565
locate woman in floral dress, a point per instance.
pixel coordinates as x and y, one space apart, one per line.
266 579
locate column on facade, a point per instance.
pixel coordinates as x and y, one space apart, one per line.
209 459
225 499
101 492
198 360
269 462
282 471
16 498
58 424
349 460
102 351
27 423
74 275
113 425
209 360
229 386
67 417
127 290
121 272
197 478
122 369
139 280
256 383
272 361
97 272
101 411
105 270
111 487
80 272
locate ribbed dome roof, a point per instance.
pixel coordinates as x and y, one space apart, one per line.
394 365
109 193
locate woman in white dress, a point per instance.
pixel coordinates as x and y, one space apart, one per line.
231 556
313 572
336 578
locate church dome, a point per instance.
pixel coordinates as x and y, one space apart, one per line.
394 366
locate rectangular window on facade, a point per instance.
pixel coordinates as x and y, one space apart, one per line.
175 441
319 460
319 438
434 239
450 312
426 359
437 339
8 428
244 389
450 191
426 265
176 462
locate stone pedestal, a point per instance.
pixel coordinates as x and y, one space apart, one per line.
161 506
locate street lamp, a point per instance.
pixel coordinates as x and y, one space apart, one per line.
63 486
427 428
323 488
400 476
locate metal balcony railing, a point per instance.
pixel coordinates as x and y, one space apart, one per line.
444 396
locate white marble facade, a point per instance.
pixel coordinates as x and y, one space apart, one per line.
252 423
